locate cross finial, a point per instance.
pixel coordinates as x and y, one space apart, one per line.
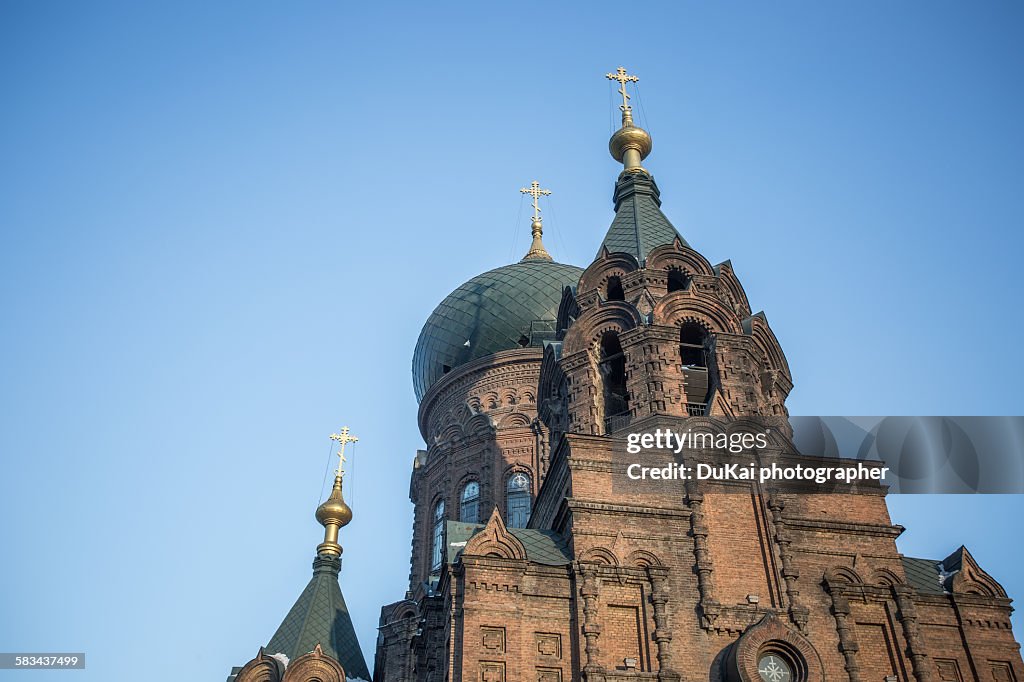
343 437
622 77
536 192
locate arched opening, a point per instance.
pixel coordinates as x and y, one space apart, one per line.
612 368
437 547
469 508
518 500
694 354
677 280
615 292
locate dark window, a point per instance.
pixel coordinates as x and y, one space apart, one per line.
693 345
518 490
677 280
694 351
612 367
469 509
615 292
437 549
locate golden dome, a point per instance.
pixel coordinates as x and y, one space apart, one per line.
334 510
630 137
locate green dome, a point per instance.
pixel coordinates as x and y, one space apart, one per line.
494 311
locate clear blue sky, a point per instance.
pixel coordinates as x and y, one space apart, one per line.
223 224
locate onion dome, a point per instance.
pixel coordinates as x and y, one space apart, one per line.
334 510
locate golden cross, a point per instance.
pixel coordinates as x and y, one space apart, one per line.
623 78
343 438
536 192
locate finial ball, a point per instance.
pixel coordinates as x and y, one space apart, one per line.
334 510
630 137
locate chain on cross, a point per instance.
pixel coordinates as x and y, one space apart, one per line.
343 438
622 77
536 192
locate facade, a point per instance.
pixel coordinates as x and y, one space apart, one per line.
528 563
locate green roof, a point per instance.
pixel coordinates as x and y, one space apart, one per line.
320 616
508 307
639 225
924 575
542 546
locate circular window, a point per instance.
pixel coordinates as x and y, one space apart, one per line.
774 668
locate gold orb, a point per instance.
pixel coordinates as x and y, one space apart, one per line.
334 510
630 137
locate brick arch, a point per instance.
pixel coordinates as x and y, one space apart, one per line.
606 266
600 555
680 306
678 256
643 559
568 309
451 432
732 285
885 577
767 343
617 316
480 423
314 667
772 635
515 420
263 668
843 575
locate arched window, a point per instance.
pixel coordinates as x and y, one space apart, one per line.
437 551
677 280
469 510
518 490
693 354
615 292
612 368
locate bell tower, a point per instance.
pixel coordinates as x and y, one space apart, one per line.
653 328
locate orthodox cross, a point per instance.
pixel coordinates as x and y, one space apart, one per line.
344 437
622 77
536 192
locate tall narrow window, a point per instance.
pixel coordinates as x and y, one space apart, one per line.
469 512
693 354
693 345
518 500
612 367
437 551
615 292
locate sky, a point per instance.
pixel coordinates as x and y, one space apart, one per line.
222 226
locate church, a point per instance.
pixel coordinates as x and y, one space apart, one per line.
530 562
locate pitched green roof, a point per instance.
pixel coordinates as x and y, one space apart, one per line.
320 616
639 225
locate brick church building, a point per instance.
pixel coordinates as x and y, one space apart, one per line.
528 565
529 562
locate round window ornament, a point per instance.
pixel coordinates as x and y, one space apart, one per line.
774 668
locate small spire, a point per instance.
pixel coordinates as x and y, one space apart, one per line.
537 250
334 514
630 144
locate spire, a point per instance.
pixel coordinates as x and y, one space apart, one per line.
334 514
537 250
639 225
630 144
320 618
